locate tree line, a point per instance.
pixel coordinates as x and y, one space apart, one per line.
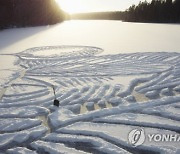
21 13
160 11
157 11
98 16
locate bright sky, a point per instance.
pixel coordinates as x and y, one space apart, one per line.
77 6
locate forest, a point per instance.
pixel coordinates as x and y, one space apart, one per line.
22 13
159 11
117 15
156 11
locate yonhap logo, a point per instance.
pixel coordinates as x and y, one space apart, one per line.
136 137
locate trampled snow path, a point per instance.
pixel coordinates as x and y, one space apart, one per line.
102 98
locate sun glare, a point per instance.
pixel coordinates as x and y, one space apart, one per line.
81 6
71 6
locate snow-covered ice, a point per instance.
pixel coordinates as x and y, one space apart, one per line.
97 108
54 148
17 124
21 138
20 150
87 143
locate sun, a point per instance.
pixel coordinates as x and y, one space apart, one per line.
73 6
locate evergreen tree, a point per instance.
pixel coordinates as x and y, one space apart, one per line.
29 13
162 11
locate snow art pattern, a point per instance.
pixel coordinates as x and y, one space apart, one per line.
102 98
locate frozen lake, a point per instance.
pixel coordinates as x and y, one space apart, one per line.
118 85
112 36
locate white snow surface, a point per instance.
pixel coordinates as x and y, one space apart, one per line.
54 148
20 150
102 98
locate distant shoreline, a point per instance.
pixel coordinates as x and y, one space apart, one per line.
117 15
